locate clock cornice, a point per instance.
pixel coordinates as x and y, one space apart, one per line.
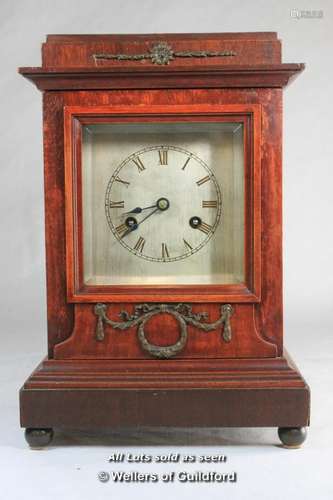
158 61
105 78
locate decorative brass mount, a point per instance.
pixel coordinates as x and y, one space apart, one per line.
183 314
162 53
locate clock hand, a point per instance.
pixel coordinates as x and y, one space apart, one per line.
151 213
161 204
135 226
138 210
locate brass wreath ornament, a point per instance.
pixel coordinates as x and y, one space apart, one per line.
181 312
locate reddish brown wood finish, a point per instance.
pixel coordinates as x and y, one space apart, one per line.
163 330
91 394
261 76
152 373
269 314
82 408
89 384
77 51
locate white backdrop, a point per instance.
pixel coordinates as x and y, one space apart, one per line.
308 171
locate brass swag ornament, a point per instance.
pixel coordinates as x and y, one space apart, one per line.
183 314
162 53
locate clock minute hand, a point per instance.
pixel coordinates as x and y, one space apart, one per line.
162 204
141 221
151 213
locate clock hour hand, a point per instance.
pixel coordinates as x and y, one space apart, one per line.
161 204
138 210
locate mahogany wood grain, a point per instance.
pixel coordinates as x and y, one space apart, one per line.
82 408
228 393
250 48
262 76
60 314
158 374
246 340
269 314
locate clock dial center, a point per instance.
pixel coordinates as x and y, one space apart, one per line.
163 204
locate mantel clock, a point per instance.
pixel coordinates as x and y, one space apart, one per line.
162 158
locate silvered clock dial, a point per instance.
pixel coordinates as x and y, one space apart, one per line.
163 203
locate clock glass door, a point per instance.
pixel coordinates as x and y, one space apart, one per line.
163 202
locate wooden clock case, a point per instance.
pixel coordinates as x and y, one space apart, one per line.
236 372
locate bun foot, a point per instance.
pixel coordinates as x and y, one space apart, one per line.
38 438
292 437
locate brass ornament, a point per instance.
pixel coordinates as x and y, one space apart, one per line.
161 54
181 312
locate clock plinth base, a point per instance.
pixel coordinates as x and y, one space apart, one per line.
88 394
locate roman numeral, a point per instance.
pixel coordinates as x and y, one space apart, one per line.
163 155
122 230
139 164
185 164
203 180
117 204
205 228
165 252
117 179
209 204
139 244
188 246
